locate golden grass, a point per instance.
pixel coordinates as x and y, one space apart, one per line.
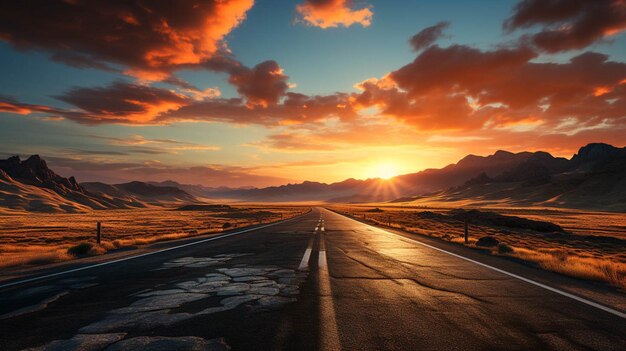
560 261
34 256
148 240
39 238
588 253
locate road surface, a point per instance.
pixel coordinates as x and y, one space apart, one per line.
320 281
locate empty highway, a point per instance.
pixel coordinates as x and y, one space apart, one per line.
319 281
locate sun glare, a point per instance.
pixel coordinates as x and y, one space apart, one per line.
385 170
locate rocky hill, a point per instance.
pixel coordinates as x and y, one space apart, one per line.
30 185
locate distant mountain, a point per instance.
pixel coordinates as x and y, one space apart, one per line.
140 192
370 190
35 171
29 185
196 190
305 191
595 178
467 168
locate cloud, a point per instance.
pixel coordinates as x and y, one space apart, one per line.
295 109
262 85
569 24
10 105
346 136
122 103
158 145
442 89
428 36
463 88
135 104
334 13
149 39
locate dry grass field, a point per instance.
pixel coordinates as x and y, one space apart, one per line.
39 238
592 246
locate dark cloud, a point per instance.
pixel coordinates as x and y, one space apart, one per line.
121 103
81 61
10 105
129 103
262 85
294 109
460 87
149 38
452 88
569 24
444 69
428 36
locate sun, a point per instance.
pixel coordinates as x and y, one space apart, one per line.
385 170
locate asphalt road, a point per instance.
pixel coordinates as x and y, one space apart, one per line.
320 281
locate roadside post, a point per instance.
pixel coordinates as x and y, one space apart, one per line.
99 226
465 229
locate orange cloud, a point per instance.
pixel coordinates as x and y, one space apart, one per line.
149 39
443 89
14 108
127 103
122 103
9 105
333 13
461 88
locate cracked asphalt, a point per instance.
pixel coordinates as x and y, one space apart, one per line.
321 281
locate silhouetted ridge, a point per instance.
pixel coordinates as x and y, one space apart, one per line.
140 191
35 171
594 178
30 185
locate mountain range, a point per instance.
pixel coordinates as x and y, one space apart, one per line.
29 185
594 178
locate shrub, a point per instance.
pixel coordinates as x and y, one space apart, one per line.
487 241
226 225
561 255
81 249
504 248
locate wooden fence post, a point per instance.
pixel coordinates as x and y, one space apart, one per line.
466 231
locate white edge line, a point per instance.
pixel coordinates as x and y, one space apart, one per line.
541 285
29 280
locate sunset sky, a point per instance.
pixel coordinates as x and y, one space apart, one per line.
257 93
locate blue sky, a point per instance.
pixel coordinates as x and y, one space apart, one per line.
317 61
